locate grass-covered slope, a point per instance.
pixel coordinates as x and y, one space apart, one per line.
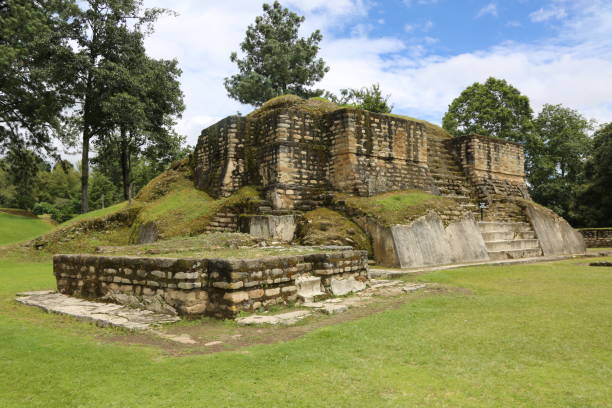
170 201
398 207
177 208
18 228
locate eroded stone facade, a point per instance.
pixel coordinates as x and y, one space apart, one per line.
299 157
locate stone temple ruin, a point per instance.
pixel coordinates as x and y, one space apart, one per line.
299 159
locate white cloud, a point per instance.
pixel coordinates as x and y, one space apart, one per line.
553 13
489 9
410 3
572 69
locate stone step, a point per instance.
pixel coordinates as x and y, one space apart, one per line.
507 235
512 245
495 226
517 254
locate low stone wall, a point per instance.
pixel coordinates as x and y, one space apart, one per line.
214 287
597 237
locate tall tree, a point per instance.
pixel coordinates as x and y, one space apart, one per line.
596 200
104 33
558 169
143 107
368 98
35 81
494 108
276 60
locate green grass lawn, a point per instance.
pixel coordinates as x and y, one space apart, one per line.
16 228
533 335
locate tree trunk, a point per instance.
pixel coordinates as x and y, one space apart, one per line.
125 167
85 171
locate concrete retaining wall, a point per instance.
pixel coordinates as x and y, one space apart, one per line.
215 287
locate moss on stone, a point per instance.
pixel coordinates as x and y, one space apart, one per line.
316 106
398 207
327 227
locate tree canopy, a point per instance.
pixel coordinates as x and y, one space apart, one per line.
558 167
35 81
596 200
494 108
276 60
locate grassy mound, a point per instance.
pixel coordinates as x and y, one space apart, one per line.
103 212
312 105
398 207
84 235
17 228
183 210
327 227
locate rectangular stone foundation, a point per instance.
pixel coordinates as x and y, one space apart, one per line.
213 287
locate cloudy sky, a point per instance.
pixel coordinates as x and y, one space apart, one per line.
422 52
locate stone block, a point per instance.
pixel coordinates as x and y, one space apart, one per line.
236 297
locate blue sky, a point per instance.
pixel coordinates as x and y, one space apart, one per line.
422 52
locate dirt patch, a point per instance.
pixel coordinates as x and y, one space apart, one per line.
21 213
228 336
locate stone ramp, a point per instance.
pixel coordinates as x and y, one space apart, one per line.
102 314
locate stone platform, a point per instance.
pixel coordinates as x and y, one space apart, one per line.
102 314
214 287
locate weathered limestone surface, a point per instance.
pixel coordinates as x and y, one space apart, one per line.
271 227
217 287
297 157
556 236
493 166
103 314
427 241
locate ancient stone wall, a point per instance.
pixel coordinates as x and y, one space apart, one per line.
290 153
597 237
219 157
298 157
494 167
373 153
215 287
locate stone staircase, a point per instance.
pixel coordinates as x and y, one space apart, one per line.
509 240
223 221
447 175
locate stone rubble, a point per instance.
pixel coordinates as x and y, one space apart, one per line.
337 305
283 318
